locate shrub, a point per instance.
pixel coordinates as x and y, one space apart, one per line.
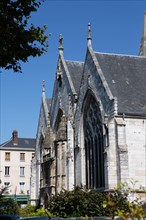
8 206
81 202
120 204
25 211
40 212
78 202
31 210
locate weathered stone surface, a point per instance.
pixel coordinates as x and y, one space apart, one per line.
97 124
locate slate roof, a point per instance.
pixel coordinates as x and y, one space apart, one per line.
75 70
126 78
26 143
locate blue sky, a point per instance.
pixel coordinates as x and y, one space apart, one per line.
116 27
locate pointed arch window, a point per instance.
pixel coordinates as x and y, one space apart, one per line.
93 134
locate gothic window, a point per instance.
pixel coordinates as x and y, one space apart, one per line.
58 120
93 144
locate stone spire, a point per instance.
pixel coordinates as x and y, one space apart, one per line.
60 43
43 90
142 49
89 35
43 86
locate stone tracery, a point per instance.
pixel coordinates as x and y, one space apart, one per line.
93 134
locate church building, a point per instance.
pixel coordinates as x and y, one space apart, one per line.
93 129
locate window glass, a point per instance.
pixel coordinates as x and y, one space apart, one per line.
94 146
7 155
21 171
7 171
21 186
22 156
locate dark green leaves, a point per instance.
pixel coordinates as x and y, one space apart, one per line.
78 202
18 40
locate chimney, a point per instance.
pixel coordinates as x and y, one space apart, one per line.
15 137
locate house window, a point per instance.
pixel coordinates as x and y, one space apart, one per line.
7 155
22 156
21 171
7 171
21 186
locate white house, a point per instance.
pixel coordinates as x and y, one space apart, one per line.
15 167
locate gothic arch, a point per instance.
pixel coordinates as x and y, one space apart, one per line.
93 142
58 118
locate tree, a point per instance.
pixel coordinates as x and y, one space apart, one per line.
2 191
19 39
7 206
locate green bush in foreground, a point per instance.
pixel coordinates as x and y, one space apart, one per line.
40 212
78 202
120 204
27 210
31 210
81 202
8 206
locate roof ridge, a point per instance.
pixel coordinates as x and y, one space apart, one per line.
6 142
26 138
126 55
74 61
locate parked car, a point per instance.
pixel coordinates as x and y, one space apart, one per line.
9 217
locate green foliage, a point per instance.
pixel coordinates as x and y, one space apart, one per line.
25 211
8 206
30 210
120 204
82 202
78 202
19 39
3 190
40 212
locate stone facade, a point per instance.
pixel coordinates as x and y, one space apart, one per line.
93 131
